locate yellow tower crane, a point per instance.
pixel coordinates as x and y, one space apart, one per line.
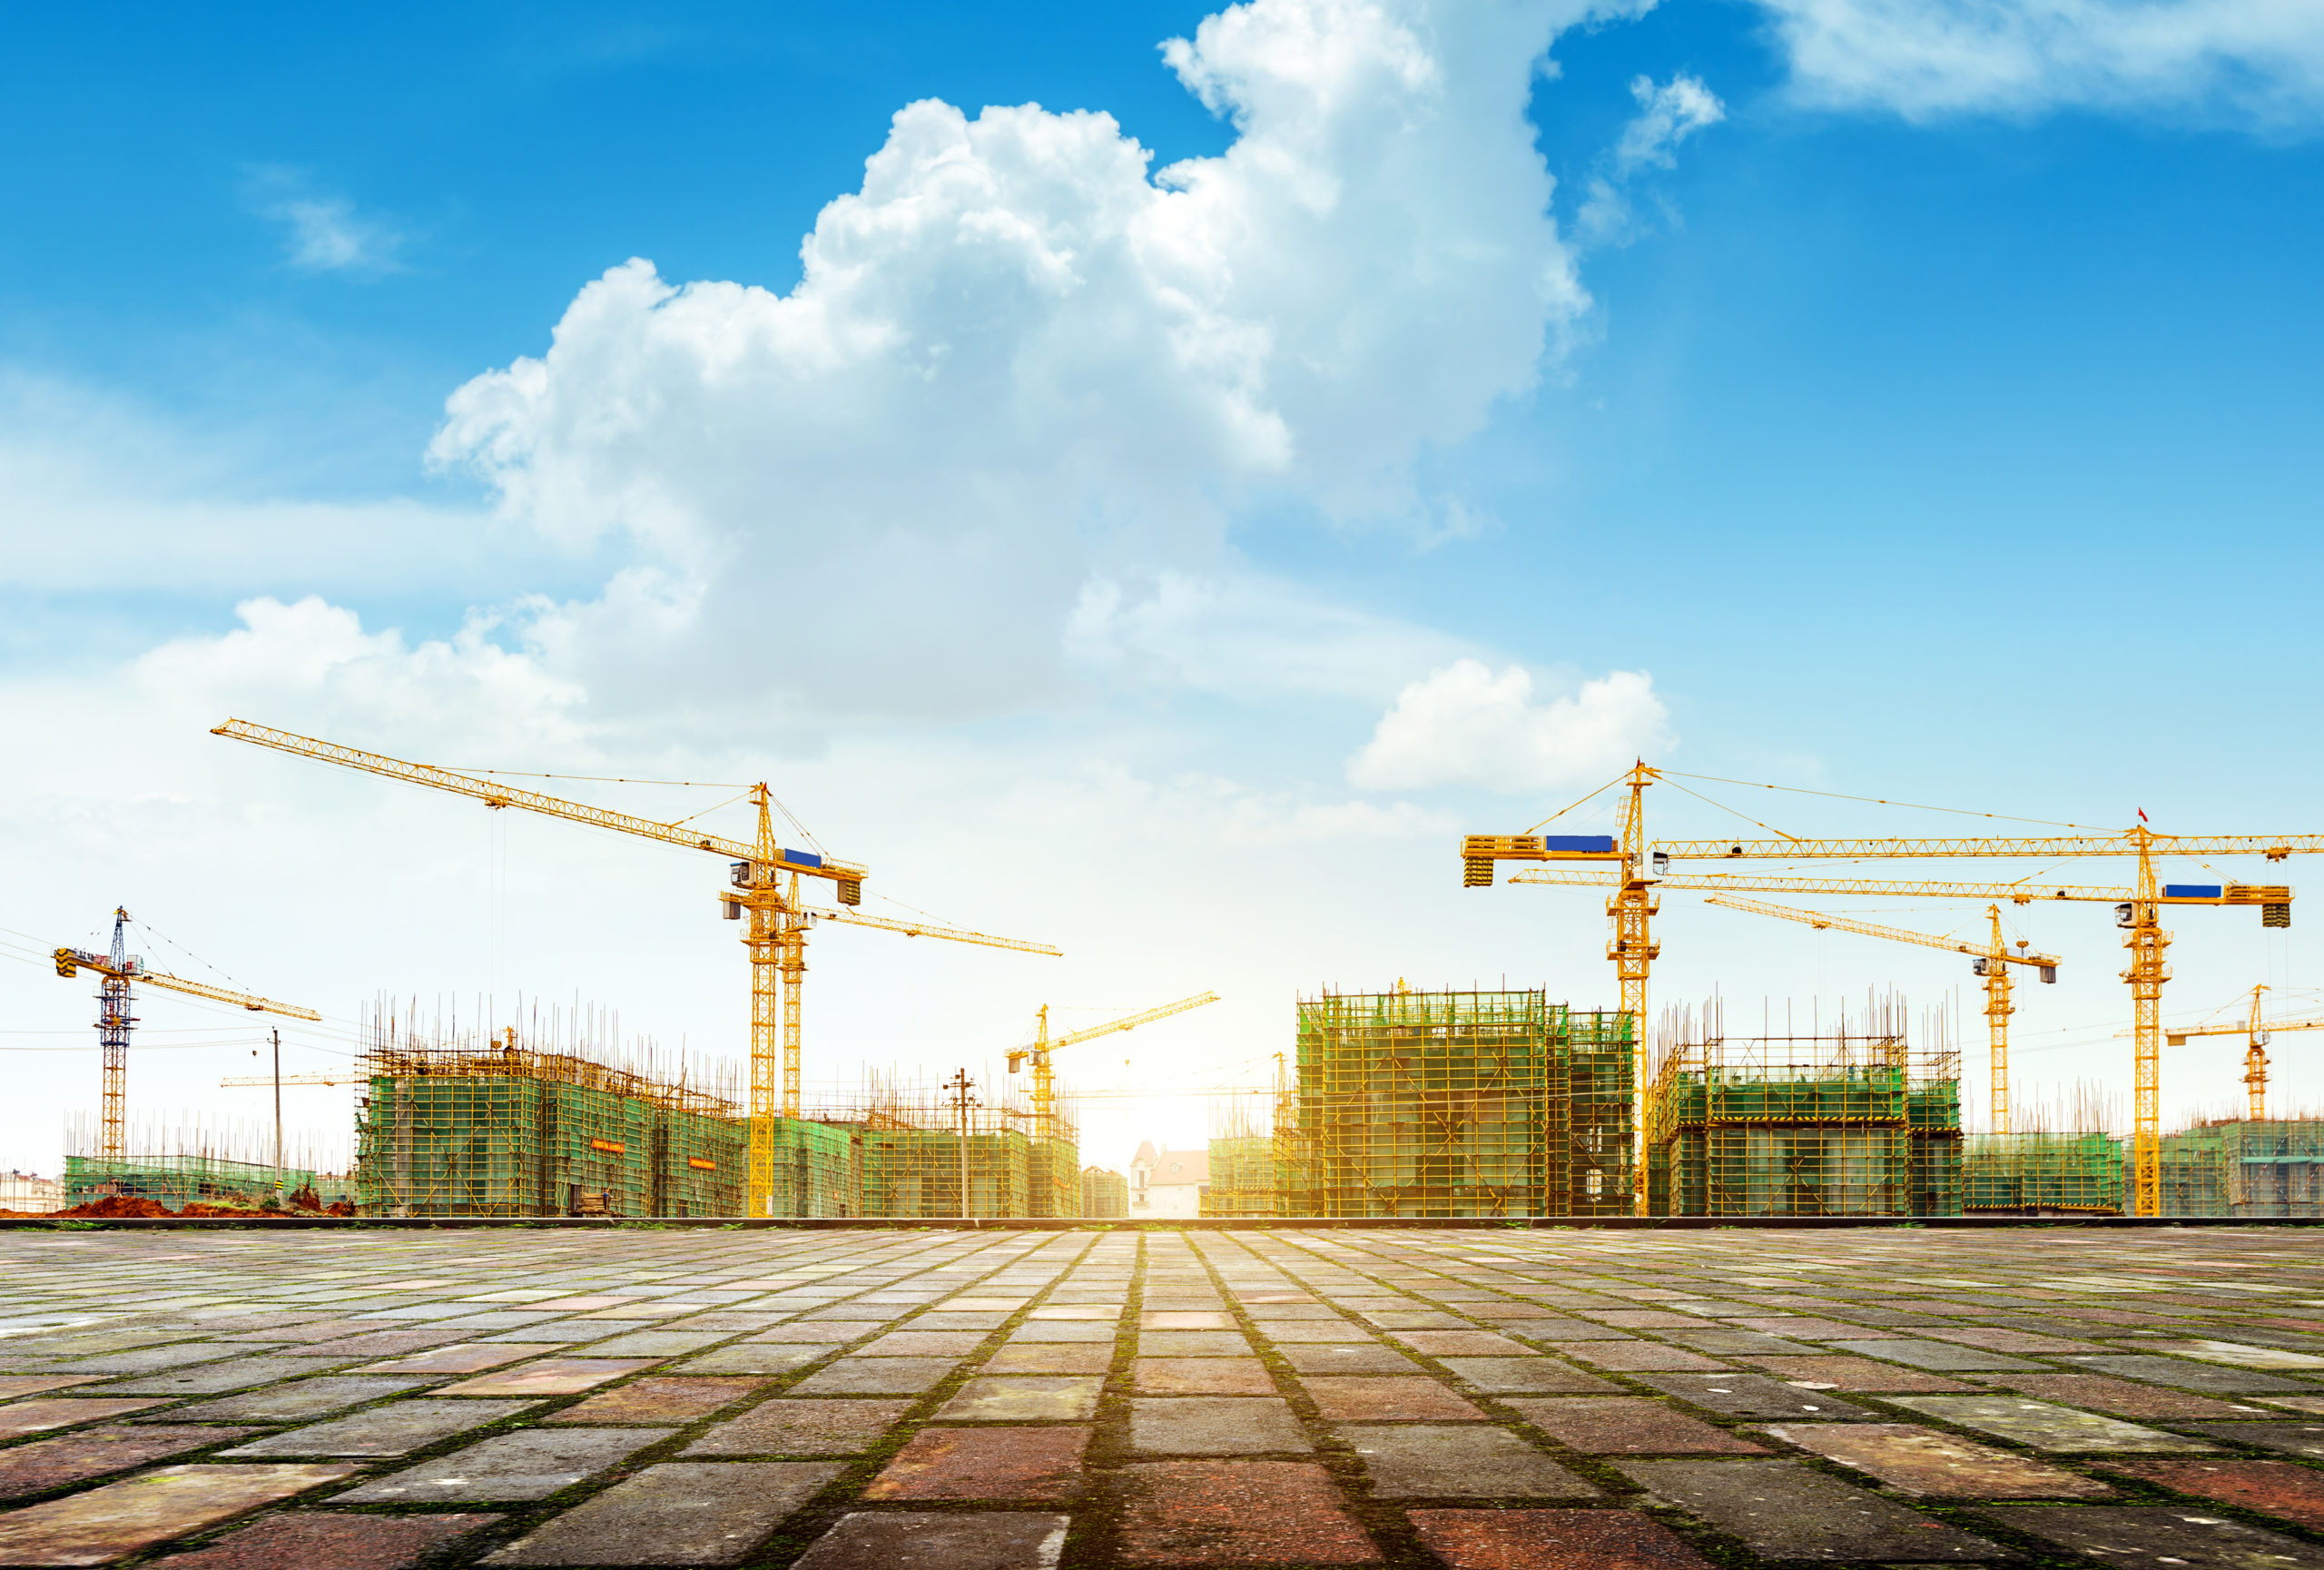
1991 962
1045 1078
2137 909
763 886
2256 1033
118 970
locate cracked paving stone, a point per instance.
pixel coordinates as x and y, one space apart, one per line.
325 1540
296 1401
1784 1510
2121 1398
1416 1461
802 1429
1639 1357
924 1344
1554 1540
2279 1488
1362 1399
1237 1513
2182 1375
1058 1359
117 1519
1938 1356
659 1399
47 1464
1923 1461
678 1513
461 1358
1215 1425
749 1358
530 1464
1529 1376
910 1540
866 1375
1018 1399
2158 1534
1370 1358
2293 1438
1200 1376
64 1412
1753 1396
1019 1465
549 1376
1859 1374
384 1432
1628 1426
2044 1426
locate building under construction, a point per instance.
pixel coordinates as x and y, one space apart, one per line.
1105 1194
2245 1167
1453 1104
1848 1122
228 1167
2039 1173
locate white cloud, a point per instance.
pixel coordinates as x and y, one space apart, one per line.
324 231
1018 361
1469 725
2258 60
1668 115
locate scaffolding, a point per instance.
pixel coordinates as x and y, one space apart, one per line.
1456 1103
225 1166
454 1125
2037 1173
2243 1167
1105 1194
1850 1123
917 1144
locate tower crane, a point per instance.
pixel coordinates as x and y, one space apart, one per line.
1045 1079
2256 1033
2137 909
117 969
762 891
1992 961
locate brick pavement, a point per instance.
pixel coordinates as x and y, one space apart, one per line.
1415 1397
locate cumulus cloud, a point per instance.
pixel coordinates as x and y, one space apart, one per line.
1468 724
1666 116
1020 359
2259 61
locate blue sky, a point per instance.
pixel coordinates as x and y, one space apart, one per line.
1930 417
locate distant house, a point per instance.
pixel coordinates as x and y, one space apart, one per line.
1168 1183
28 1195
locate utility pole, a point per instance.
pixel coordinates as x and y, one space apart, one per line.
959 1085
277 1114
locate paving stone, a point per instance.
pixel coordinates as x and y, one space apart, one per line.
1628 1426
47 1464
2158 1534
1649 1319
2277 1488
678 1513
389 1343
396 1429
749 1358
312 1330
1200 1376
910 1540
15 1385
1466 1461
1847 1373
64 1412
1938 1356
214 1378
2121 1398
461 1358
809 1334
662 1399
657 1344
1192 1344
117 1519
1639 1357
1291 1332
1783 1510
791 1428
1753 1396
1237 1513
326 1540
149 1360
1059 1398
2045 1426
2290 1403
1995 1339
1057 1308
530 1464
2293 1438
1370 1358
1186 1320
1060 1359
1215 1425
1923 1461
1529 1376
549 1376
1724 1342
1554 1540
1805 1326
984 1321
1461 1344
923 1343
2180 1374
1386 1398
1022 1465
1416 1319
2242 1355
296 1401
